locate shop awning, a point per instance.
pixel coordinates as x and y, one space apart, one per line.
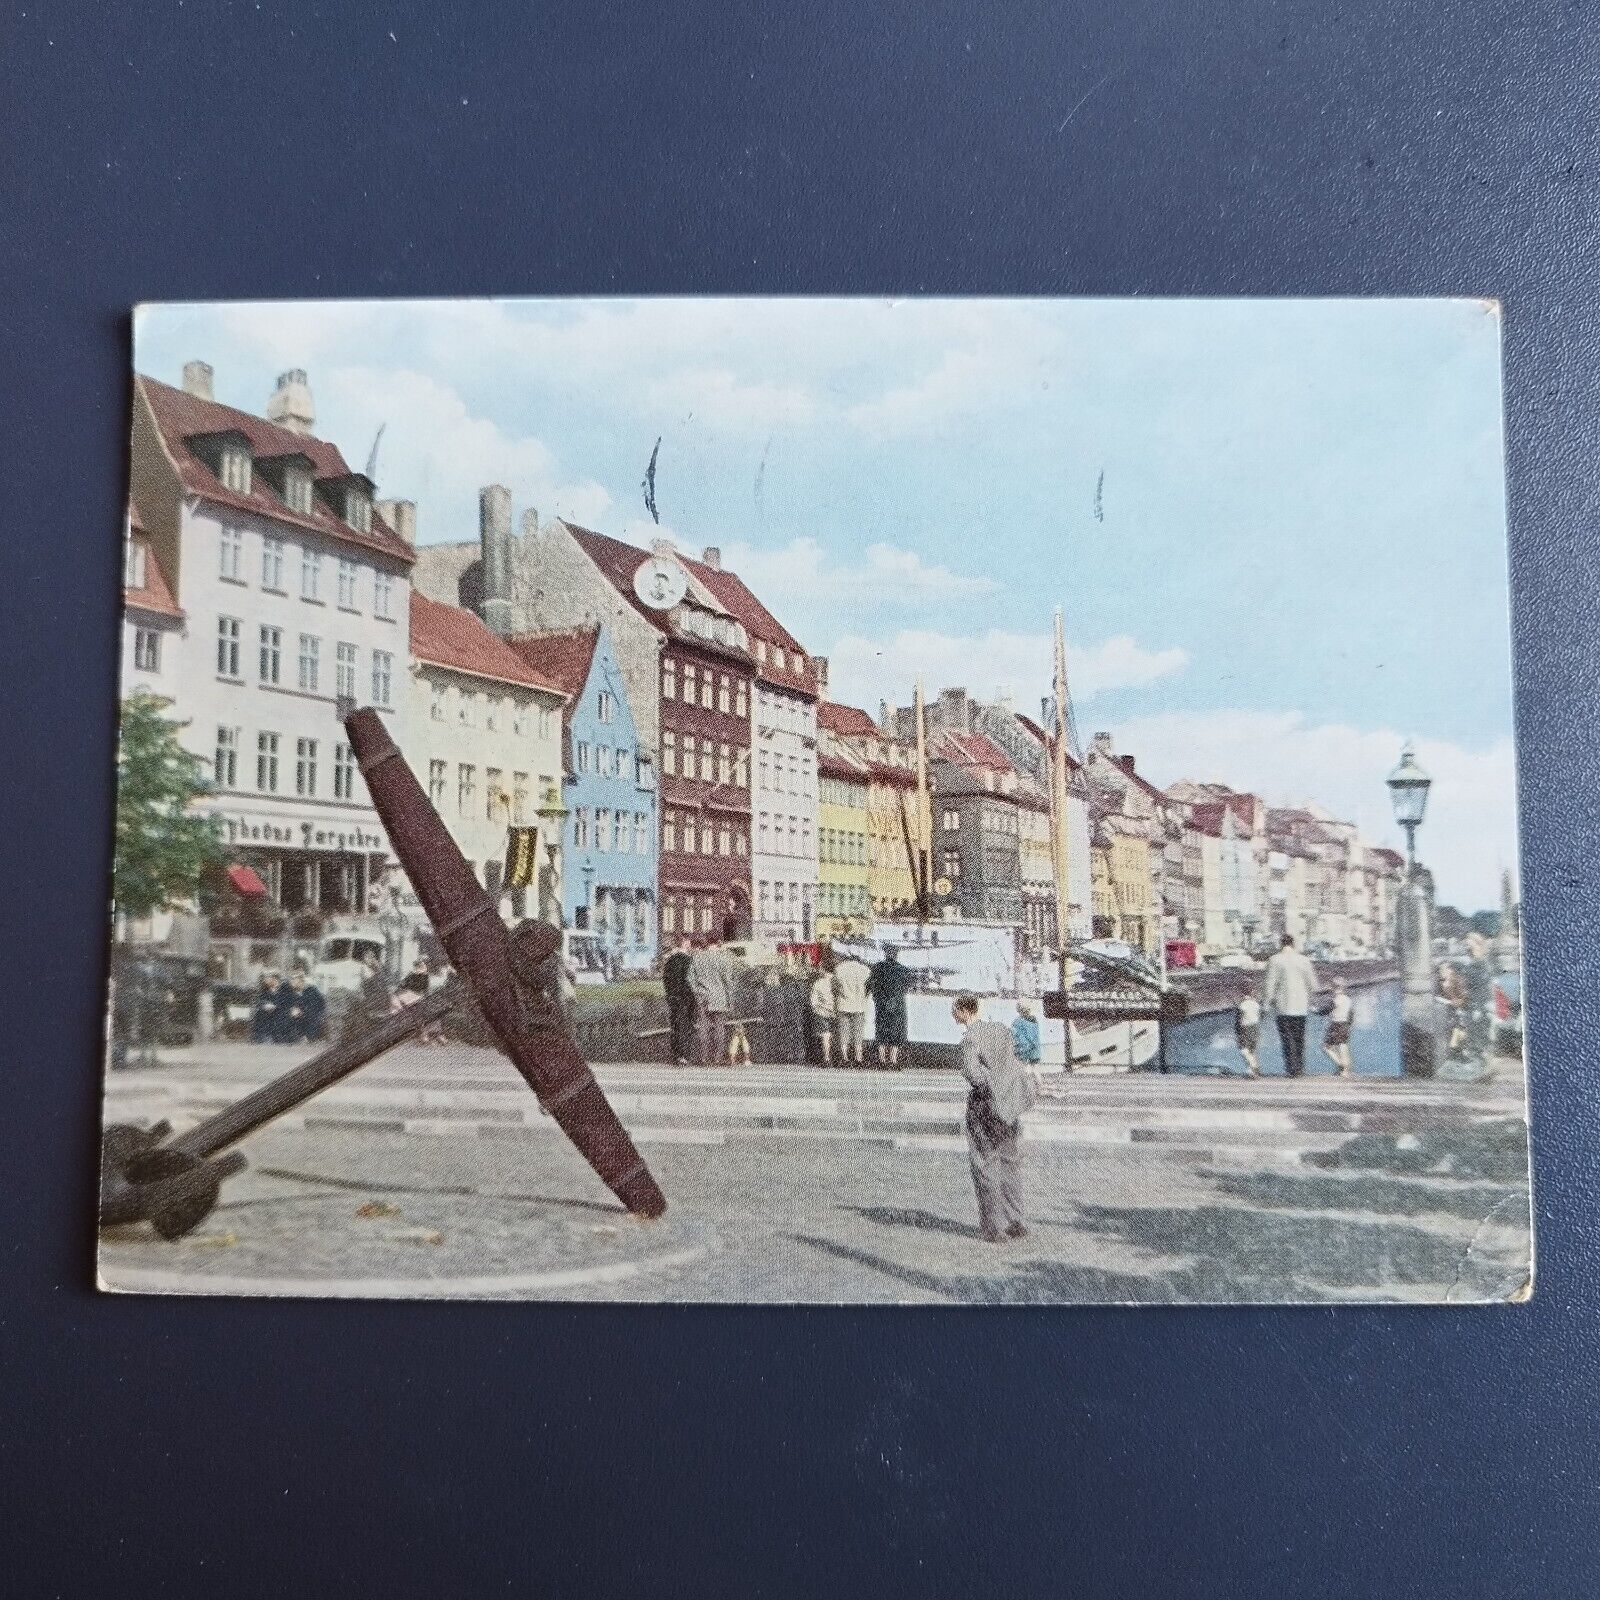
246 879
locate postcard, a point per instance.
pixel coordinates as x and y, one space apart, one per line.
819 801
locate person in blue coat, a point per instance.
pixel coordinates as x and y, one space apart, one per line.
304 1012
1025 1034
272 1004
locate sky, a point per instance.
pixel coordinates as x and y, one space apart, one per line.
1276 528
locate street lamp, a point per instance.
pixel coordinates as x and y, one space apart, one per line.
554 816
1408 789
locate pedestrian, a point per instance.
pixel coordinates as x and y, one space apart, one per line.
1025 1034
711 982
414 987
850 979
1452 995
999 1092
372 997
1336 1038
887 984
304 1011
1247 1032
821 1009
1288 988
680 1000
267 1015
1478 981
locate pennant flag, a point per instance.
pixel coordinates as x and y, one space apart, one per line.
522 858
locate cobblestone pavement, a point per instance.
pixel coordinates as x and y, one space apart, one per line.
434 1173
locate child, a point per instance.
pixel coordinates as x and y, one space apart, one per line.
1025 1034
1247 1032
1336 1041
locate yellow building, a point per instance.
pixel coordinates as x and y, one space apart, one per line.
892 804
844 903
1123 889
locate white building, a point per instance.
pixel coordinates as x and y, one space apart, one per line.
290 590
483 735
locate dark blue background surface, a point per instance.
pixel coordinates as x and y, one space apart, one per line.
166 150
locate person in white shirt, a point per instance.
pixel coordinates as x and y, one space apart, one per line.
850 980
1288 987
822 1013
1336 1040
1247 1033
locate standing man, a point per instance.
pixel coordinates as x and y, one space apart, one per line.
1288 988
1000 1091
887 985
680 1001
850 980
711 984
1478 983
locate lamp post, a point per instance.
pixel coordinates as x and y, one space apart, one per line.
552 816
1419 1021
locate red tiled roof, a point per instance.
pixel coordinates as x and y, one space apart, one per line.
846 720
1207 817
760 624
1140 782
832 764
971 749
900 777
449 636
156 593
561 658
181 416
1073 764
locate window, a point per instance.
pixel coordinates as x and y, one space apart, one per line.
669 753
519 720
491 713
383 596
225 765
647 772
691 750
546 722
690 681
952 822
519 796
232 554
344 671
272 564
708 760
706 687
669 678
761 769
607 709
133 565
267 763
358 510
271 654
466 789
436 782
297 490
724 763
669 830
669 915
641 833
761 651
725 840
741 769
310 574
382 677
435 702
583 755
580 827
952 866
310 662
602 828
236 470
494 793
466 707
147 649
344 772
782 663
724 693
604 760
228 629
305 766
741 706
624 760
347 583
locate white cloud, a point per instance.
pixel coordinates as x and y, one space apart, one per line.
1470 831
436 452
807 578
713 395
862 671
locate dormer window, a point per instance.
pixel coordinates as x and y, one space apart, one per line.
297 490
358 509
235 473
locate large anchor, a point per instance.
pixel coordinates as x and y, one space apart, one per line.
513 976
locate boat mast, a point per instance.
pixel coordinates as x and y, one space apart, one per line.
1058 798
922 867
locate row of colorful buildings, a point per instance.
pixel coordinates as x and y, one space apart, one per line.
682 762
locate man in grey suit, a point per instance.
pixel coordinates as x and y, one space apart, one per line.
1000 1091
711 982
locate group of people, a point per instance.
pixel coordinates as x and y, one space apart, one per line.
1289 990
700 982
838 1004
1466 991
287 1013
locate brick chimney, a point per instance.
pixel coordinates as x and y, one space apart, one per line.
197 376
401 515
530 523
712 557
1102 744
1126 763
494 536
664 548
289 405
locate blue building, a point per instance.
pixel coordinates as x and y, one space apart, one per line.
608 879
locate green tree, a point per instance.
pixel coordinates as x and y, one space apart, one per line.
162 848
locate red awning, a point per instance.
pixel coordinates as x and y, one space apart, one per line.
246 879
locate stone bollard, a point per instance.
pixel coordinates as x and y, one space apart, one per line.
1419 1007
